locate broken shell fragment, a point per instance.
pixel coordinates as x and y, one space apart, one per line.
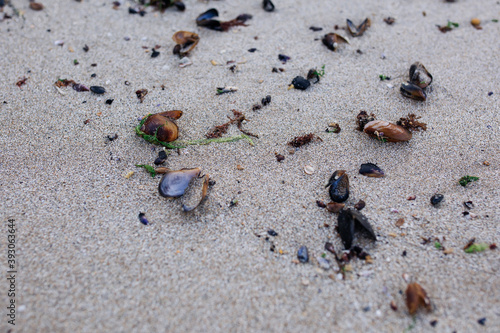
348 221
334 207
332 40
195 193
419 75
302 254
386 131
186 41
436 199
339 186
412 91
357 31
416 297
268 5
371 170
161 126
173 184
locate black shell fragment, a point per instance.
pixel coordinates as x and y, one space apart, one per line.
268 5
162 157
436 199
350 220
339 186
413 91
419 75
371 170
205 20
300 83
97 90
302 254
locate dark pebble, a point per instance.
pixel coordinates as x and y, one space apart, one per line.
252 50
273 233
300 83
266 100
469 204
275 70
436 199
280 158
97 90
283 58
315 28
162 157
268 5
482 321
490 93
143 219
86 48
360 205
302 254
155 53
109 101
404 253
433 323
93 75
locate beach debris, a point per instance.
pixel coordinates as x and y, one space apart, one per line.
219 130
323 263
473 247
333 128
334 207
357 31
184 62
154 53
80 87
320 204
349 221
416 297
302 254
315 29
162 157
186 42
482 321
143 219
411 123
266 100
109 101
467 179
97 90
299 141
206 20
309 170
162 5
339 186
384 77
272 233
36 6
283 58
419 75
252 50
141 94
268 5
315 75
436 199
400 222
174 183
86 48
476 23
225 90
21 81
411 197
299 83
195 193
160 127
371 170
383 130
148 168
128 174
280 158
448 27
332 41
112 137
413 91
389 20
468 204
360 205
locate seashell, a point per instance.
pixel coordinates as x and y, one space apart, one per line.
357 31
205 20
195 193
334 207
371 170
300 83
339 186
161 125
416 297
413 91
348 221
419 75
436 199
268 5
185 39
332 40
386 131
173 184
302 254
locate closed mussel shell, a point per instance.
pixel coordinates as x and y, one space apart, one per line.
413 91
161 125
419 75
345 227
371 170
339 186
386 131
174 183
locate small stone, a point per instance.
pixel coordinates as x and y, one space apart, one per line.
97 90
436 199
252 50
302 254
482 321
433 323
305 282
360 205
300 83
394 307
271 232
475 22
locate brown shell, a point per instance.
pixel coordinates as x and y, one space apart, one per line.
416 297
161 124
419 75
413 91
387 131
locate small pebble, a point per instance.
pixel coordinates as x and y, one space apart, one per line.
109 101
300 83
273 233
97 90
302 254
482 321
436 199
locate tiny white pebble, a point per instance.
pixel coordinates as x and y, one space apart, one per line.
21 308
144 38
390 86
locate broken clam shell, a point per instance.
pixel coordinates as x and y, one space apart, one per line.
186 41
357 31
332 40
195 193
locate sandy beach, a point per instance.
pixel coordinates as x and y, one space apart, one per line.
85 263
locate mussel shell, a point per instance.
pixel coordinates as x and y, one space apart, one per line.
339 186
436 199
268 5
371 170
419 75
413 91
183 37
357 31
302 254
212 12
165 129
332 40
173 184
300 83
387 131
361 222
195 193
345 227
180 5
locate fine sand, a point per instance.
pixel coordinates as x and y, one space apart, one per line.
86 264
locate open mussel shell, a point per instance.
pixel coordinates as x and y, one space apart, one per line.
359 30
419 75
371 170
205 20
195 193
186 41
332 40
413 91
349 221
173 184
386 131
212 12
339 186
